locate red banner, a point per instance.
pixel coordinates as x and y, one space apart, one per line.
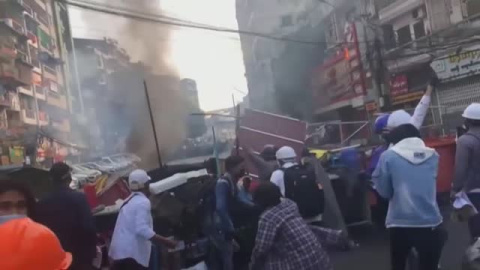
398 85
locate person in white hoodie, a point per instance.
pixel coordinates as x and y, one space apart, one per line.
406 176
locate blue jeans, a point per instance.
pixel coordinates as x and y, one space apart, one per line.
224 250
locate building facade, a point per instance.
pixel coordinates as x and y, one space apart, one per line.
277 70
97 60
35 116
424 34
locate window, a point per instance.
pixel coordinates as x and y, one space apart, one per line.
286 20
404 36
419 29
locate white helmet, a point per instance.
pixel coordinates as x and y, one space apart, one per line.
472 112
285 152
138 180
398 118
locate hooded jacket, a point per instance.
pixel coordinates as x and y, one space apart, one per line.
399 118
285 242
406 175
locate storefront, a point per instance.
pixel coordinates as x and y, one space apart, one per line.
460 77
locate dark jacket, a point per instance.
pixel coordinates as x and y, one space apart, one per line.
67 213
467 161
264 168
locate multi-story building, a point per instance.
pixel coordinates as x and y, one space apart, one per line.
97 60
189 88
33 81
417 32
278 72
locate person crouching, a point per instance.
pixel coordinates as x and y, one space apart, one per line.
284 240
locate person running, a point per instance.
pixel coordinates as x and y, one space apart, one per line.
284 241
406 176
67 213
133 234
467 164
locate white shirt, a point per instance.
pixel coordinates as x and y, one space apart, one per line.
133 231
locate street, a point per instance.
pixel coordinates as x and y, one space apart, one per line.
373 253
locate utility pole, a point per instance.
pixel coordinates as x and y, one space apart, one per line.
159 156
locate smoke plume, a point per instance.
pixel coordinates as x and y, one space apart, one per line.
148 43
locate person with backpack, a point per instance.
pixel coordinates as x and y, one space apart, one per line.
229 209
467 164
298 183
406 176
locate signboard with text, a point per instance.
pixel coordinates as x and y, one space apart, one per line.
398 85
458 65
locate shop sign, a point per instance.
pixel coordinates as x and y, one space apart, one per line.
398 85
458 65
16 154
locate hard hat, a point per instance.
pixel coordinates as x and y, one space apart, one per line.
398 118
285 152
28 245
381 123
472 112
138 179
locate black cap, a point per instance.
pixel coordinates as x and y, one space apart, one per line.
60 172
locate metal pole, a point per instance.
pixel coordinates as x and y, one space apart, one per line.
215 152
153 124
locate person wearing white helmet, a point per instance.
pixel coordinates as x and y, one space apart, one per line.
133 234
467 164
298 183
286 158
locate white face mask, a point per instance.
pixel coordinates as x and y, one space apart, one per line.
4 219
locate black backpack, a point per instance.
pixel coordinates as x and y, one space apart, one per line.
301 187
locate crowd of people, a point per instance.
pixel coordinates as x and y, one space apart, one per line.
58 232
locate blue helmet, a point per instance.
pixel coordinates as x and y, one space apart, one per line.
381 123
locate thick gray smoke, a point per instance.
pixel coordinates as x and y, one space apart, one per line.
149 43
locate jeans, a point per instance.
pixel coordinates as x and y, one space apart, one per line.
428 243
224 250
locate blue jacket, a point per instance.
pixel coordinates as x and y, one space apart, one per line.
406 175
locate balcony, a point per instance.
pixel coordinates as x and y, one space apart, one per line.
393 9
8 71
15 26
49 73
29 117
26 90
43 118
40 92
4 101
14 101
7 51
57 100
24 74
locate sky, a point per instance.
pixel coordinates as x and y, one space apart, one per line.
213 59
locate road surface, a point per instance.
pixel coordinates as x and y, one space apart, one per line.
373 253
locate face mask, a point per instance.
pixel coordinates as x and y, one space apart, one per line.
4 219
